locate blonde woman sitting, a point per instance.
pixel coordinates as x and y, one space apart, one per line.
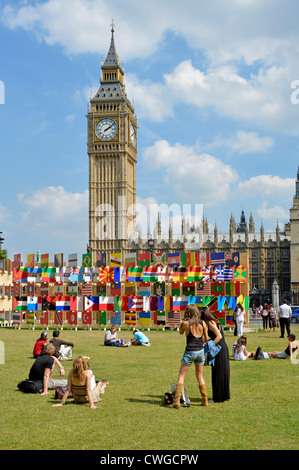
79 381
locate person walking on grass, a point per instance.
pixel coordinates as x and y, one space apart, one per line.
194 329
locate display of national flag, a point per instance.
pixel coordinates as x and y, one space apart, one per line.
180 274
217 259
73 288
159 288
206 274
130 259
203 259
130 318
87 317
130 288
87 260
72 317
144 288
153 303
188 259
106 274
150 274
188 288
180 303
17 261
73 260
144 318
225 273
63 303
101 259
195 299
44 259
135 304
217 288
31 260
203 288
174 318
115 318
58 260
59 288
91 303
58 317
159 259
121 303
115 260
194 273
99 288
44 318
240 274
19 304
232 259
48 303
144 259
34 303
106 303
77 274
115 288
135 274
48 274
175 288
174 259
120 274
20 275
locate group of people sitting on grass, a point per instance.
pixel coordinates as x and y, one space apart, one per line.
240 352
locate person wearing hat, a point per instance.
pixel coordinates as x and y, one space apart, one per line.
39 345
139 339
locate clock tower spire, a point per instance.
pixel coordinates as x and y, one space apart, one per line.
112 152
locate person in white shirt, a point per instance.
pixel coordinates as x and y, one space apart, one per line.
284 317
240 318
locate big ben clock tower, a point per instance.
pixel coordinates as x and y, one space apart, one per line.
112 151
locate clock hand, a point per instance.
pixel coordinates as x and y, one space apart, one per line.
107 128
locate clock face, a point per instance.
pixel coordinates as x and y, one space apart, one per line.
132 135
106 129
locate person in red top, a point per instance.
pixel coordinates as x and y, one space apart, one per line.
39 345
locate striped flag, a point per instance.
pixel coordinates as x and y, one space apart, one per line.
174 318
203 288
144 259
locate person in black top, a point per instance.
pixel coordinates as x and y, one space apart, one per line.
42 369
221 368
195 329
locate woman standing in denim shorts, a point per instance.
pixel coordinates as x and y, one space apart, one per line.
195 329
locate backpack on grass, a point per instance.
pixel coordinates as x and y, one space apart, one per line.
30 386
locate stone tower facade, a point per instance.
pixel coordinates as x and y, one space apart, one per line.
112 151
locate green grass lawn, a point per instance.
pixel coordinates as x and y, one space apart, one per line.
261 414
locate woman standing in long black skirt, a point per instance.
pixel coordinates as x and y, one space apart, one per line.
221 368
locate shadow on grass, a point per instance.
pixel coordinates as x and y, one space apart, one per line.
159 400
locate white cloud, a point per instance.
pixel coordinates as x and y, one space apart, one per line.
4 213
55 212
243 142
274 187
272 213
193 177
230 34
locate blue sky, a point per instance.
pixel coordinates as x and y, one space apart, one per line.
211 84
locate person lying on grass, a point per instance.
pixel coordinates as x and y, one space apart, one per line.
288 352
